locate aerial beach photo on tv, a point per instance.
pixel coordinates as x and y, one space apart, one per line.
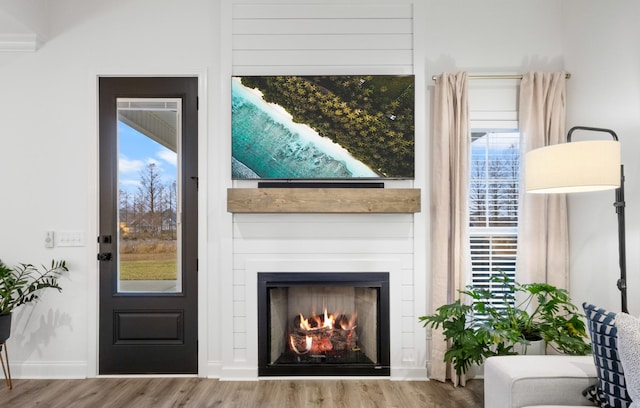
323 127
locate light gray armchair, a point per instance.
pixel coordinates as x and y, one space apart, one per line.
538 381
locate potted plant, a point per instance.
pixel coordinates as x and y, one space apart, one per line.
492 325
22 284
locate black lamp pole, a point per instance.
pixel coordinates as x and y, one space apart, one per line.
619 205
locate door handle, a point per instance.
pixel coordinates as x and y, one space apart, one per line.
104 256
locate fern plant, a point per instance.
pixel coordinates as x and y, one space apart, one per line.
23 283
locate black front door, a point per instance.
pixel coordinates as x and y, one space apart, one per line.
148 225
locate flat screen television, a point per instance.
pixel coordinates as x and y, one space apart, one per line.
336 127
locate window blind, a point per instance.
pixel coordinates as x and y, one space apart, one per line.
493 207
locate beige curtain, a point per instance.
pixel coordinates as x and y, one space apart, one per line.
543 238
449 201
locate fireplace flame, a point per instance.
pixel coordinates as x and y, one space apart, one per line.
295 349
304 323
327 321
319 334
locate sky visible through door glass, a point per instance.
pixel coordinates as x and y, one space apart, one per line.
136 151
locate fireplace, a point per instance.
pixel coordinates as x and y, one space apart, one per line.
323 324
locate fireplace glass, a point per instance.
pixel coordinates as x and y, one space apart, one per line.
323 323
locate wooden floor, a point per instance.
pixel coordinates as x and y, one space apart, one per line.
202 393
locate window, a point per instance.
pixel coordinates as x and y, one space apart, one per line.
493 206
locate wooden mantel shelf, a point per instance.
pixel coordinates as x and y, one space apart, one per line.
324 200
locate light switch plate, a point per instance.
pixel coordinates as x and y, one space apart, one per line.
70 238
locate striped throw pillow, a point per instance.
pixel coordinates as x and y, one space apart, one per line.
602 330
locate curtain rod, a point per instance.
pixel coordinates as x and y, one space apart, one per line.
482 76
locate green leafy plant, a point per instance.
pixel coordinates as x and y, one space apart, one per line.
493 324
22 284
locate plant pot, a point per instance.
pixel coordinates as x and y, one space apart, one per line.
535 348
5 327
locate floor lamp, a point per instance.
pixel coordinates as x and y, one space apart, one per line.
574 167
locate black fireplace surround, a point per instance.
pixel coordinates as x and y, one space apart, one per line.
357 348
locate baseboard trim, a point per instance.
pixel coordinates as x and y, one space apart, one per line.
238 374
214 369
54 370
409 374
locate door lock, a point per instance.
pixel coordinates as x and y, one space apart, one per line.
104 256
104 239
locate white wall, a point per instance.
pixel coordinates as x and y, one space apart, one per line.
602 54
48 136
596 42
493 36
48 146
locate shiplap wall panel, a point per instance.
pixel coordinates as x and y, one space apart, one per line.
321 57
334 11
290 38
253 226
323 246
339 38
321 26
332 41
240 262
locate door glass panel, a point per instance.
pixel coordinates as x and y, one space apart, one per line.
149 195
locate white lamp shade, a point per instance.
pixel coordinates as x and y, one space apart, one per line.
573 167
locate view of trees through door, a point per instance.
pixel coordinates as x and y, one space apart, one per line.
148 196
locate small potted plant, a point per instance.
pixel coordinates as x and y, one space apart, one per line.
491 324
22 284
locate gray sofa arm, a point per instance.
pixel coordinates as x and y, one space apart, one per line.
525 381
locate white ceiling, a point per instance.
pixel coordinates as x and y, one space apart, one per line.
24 27
24 24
